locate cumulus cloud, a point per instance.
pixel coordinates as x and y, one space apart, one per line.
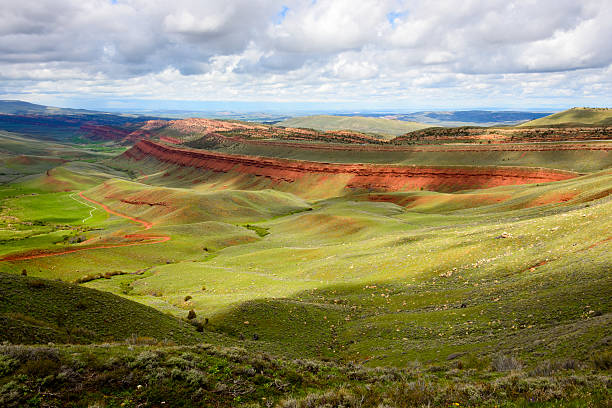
386 50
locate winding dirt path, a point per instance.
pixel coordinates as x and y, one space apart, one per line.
150 239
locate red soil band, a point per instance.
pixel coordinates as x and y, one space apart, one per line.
598 243
169 139
150 239
360 176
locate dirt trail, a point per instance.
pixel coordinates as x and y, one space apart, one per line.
150 239
145 224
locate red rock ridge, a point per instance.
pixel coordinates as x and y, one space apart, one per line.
359 176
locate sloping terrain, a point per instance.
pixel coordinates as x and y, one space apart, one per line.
169 206
575 117
34 310
380 126
205 375
284 173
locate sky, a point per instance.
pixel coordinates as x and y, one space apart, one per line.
335 54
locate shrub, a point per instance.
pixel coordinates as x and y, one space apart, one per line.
546 368
196 377
179 362
603 360
36 284
7 365
191 315
23 353
188 298
543 369
471 361
146 359
503 362
40 368
335 398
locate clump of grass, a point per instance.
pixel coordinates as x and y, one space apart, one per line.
334 398
141 340
502 362
547 367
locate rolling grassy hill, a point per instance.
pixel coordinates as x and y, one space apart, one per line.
575 117
34 310
385 127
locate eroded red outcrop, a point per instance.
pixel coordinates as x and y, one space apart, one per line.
140 202
105 132
357 176
360 146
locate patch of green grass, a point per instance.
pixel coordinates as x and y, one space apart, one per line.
260 231
388 127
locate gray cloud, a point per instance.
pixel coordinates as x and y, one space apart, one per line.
295 49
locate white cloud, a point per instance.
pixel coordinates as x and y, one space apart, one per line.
370 50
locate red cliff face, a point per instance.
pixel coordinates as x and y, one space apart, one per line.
356 176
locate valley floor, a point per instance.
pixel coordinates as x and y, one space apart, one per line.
327 294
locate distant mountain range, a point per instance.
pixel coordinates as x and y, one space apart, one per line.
461 118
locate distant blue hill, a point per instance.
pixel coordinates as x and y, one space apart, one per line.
460 118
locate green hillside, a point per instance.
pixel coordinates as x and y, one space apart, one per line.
386 127
575 117
35 310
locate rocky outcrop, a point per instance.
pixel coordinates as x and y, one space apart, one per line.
504 135
355 176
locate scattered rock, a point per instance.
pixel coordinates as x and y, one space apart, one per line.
453 356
